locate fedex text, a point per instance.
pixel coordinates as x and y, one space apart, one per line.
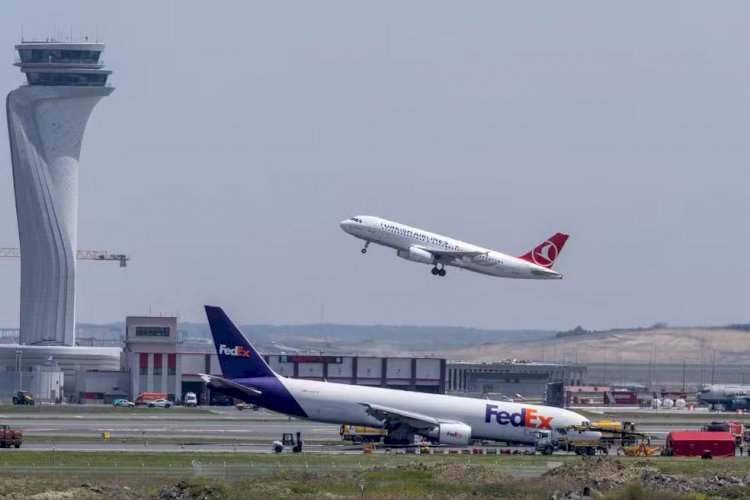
238 351
527 417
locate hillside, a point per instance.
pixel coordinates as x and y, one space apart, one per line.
662 345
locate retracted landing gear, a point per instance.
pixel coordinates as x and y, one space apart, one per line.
367 244
438 271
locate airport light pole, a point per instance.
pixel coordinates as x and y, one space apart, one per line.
19 353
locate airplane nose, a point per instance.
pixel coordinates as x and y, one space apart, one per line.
345 224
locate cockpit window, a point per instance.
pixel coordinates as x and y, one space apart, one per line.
704 391
356 220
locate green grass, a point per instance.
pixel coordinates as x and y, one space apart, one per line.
165 459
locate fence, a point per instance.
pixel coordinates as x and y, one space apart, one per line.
233 471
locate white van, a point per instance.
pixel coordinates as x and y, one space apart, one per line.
190 399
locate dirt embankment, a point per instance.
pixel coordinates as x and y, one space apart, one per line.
598 474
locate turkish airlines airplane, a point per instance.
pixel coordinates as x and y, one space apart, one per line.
418 245
443 419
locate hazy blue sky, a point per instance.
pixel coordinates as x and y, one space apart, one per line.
241 133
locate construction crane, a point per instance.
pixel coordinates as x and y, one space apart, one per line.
80 255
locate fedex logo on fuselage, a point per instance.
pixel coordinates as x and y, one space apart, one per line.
238 351
527 417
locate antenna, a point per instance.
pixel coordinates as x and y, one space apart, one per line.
22 33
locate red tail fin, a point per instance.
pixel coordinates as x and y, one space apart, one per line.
545 254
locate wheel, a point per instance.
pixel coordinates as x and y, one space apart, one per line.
18 446
441 273
31 403
15 400
547 450
435 271
358 440
167 406
151 406
364 250
591 451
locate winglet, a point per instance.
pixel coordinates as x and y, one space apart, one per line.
545 254
237 357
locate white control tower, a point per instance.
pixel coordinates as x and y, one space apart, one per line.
46 121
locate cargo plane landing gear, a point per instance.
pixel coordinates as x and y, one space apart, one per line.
367 244
438 271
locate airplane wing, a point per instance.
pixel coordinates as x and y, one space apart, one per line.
222 383
393 417
452 254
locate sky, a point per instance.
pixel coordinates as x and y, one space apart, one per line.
240 133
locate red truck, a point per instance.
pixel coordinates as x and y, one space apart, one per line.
10 437
736 429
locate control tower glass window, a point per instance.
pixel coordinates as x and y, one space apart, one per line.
58 56
71 79
152 331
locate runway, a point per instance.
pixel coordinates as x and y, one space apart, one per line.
221 425
80 428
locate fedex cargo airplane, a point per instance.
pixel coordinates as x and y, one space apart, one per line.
418 245
443 419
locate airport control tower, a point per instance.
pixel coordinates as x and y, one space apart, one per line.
46 121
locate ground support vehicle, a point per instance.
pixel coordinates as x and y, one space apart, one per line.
190 399
10 437
23 398
359 434
287 439
736 429
545 443
144 397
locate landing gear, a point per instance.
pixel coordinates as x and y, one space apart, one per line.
438 271
364 250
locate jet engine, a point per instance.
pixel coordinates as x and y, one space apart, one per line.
453 434
416 254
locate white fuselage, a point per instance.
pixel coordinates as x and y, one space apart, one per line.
492 420
724 393
402 238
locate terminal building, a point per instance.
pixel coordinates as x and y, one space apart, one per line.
154 360
510 377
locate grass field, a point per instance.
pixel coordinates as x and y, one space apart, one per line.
671 465
382 476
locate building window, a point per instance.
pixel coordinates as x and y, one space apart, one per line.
143 370
143 363
152 331
157 371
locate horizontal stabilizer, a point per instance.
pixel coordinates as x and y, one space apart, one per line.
222 383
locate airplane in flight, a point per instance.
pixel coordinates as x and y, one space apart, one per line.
443 419
418 245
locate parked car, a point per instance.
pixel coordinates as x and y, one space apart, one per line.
123 403
190 399
160 403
